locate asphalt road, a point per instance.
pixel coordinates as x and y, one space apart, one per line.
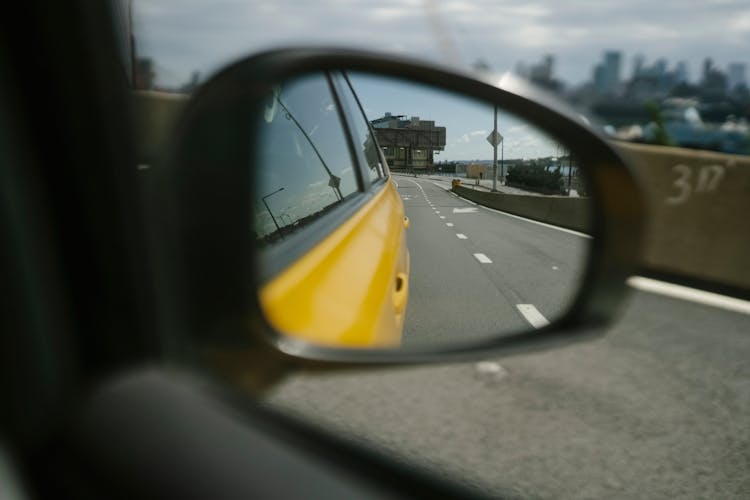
476 272
656 407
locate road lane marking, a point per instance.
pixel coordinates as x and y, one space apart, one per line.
461 236
467 210
490 371
690 294
437 211
442 216
532 315
394 182
449 224
482 258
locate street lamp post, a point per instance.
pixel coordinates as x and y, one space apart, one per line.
263 199
494 159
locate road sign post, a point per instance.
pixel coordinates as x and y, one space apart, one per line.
494 138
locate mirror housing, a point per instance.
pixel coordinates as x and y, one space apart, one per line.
207 256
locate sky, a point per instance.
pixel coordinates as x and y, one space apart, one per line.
188 35
183 36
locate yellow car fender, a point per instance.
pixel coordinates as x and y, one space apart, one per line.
351 289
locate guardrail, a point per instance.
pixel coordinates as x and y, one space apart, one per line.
698 201
570 213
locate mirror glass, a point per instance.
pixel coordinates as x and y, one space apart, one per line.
390 214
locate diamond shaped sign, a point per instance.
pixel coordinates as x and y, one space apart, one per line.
495 138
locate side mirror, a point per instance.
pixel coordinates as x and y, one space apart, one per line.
295 176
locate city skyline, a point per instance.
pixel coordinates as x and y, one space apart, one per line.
190 35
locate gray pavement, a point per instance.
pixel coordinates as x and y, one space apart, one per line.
455 297
656 407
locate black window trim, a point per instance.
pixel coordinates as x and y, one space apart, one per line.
385 173
362 187
339 79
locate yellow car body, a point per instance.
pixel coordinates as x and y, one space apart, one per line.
351 289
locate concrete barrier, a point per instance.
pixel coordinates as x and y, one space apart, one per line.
570 213
698 220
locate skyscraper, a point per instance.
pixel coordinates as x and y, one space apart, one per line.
681 72
607 74
736 75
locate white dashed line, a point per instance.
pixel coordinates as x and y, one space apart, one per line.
690 294
449 224
461 236
532 315
482 258
442 216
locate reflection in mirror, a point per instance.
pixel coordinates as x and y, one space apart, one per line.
392 214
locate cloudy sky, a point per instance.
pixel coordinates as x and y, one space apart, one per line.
183 36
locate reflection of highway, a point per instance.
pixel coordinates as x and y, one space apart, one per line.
479 272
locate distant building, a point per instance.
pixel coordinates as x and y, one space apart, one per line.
714 83
736 75
144 74
542 73
681 72
409 143
606 75
192 84
654 81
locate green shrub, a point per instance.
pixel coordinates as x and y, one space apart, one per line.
535 176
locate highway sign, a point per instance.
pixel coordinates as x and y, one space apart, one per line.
495 138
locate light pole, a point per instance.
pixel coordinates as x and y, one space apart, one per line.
263 199
494 154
